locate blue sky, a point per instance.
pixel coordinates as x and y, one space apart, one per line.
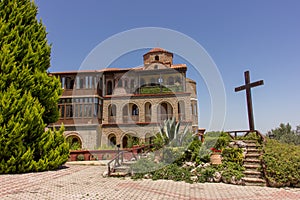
260 36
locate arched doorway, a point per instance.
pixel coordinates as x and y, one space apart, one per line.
128 141
149 139
74 142
112 140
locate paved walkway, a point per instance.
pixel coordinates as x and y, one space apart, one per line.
86 182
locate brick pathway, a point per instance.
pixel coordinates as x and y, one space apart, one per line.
86 182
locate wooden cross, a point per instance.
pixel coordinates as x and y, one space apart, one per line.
248 87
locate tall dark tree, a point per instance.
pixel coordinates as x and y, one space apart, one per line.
28 96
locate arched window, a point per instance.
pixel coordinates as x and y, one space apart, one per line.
135 110
148 112
157 58
125 114
112 110
164 111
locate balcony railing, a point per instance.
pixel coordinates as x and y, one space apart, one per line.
147 118
112 119
181 117
163 117
130 119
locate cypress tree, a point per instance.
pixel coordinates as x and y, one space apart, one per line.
28 95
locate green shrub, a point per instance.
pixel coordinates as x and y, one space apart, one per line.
143 166
193 152
204 173
230 169
173 172
217 140
282 163
233 155
80 157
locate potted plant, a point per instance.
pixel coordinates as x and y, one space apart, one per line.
215 158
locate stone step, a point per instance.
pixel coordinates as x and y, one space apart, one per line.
122 168
253 150
128 163
252 174
251 145
252 155
119 174
254 181
252 166
250 141
252 160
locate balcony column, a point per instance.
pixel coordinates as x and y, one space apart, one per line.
119 114
142 113
175 112
154 117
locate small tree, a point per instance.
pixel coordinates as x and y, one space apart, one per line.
285 134
28 95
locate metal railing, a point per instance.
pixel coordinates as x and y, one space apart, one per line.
117 161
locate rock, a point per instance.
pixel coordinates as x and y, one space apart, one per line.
105 174
194 171
240 182
194 178
231 144
241 144
210 179
225 180
206 165
233 180
190 164
147 176
217 177
200 166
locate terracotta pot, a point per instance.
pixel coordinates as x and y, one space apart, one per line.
215 159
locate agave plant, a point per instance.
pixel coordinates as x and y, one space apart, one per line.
169 132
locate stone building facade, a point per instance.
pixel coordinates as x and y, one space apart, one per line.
121 106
